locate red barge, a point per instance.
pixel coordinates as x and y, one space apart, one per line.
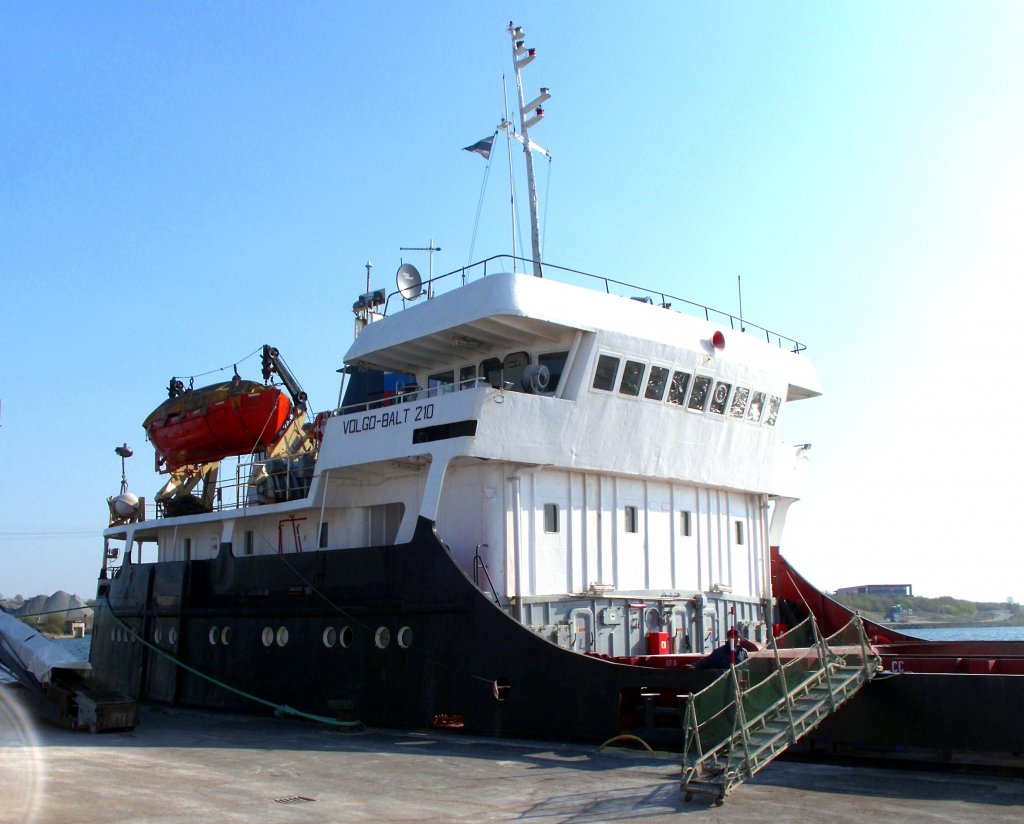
947 700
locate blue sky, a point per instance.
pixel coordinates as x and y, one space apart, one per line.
182 183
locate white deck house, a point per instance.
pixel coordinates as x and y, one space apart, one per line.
597 464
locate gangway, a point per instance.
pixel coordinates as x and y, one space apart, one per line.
743 720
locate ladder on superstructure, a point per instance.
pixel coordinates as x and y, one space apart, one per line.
739 723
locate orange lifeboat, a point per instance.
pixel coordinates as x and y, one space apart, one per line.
202 425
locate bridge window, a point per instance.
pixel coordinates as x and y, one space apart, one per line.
699 393
607 369
467 377
656 382
512 369
490 371
677 390
756 407
773 410
440 383
739 402
720 397
555 362
632 378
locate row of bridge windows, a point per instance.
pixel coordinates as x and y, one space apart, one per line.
699 393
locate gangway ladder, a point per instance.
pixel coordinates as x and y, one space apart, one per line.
738 724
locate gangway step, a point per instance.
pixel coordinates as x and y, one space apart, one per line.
754 743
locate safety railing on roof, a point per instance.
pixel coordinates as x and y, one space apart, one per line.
506 263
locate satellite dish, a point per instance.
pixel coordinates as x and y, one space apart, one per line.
409 282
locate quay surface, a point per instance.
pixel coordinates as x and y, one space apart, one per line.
184 766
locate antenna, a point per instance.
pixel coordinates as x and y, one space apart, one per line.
521 57
430 272
124 451
409 282
739 288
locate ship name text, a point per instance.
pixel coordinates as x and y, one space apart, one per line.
387 418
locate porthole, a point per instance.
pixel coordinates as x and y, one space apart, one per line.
330 637
225 636
282 636
268 636
345 637
382 637
214 635
405 637
158 635
172 636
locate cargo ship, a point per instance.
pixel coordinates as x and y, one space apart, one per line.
545 501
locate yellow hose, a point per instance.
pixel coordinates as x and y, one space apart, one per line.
626 738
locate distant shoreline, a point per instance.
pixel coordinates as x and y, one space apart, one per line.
910 625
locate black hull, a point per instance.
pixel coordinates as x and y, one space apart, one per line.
465 661
928 714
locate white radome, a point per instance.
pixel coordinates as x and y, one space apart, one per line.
126 504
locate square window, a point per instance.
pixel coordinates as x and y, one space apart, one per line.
490 371
685 528
512 369
551 517
677 391
441 383
555 362
632 524
699 395
739 402
656 383
632 378
756 407
773 410
607 369
721 396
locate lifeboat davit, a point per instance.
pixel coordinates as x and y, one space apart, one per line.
202 425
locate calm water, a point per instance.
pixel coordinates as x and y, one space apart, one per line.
974 633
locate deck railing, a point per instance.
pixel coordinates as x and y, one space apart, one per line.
506 263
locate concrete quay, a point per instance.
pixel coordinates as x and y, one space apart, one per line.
185 766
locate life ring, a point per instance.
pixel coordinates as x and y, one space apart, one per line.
319 422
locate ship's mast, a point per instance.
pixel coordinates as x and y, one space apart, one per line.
521 56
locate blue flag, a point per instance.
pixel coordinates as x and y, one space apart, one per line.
482 147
